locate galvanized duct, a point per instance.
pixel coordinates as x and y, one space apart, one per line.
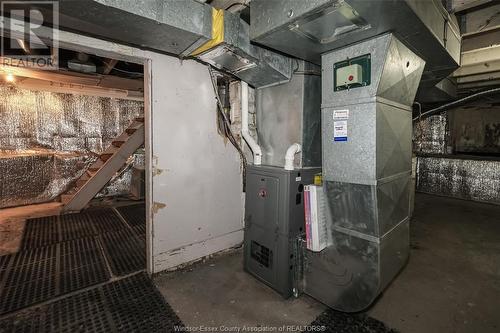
366 175
308 29
460 177
291 113
172 26
48 139
231 51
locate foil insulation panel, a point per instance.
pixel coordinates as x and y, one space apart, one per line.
47 140
464 178
431 135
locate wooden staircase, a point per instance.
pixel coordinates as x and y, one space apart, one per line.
101 171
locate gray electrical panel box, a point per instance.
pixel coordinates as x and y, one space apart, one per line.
274 217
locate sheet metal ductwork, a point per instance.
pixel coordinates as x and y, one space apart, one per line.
180 28
230 50
171 26
366 176
291 113
307 29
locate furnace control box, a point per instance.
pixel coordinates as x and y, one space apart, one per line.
352 73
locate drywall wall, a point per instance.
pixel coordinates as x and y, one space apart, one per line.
196 183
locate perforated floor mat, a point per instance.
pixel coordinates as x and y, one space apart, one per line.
37 275
50 230
105 220
125 251
75 226
82 264
40 232
31 278
129 305
137 306
340 322
135 215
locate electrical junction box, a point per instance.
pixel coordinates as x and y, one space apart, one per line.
352 73
274 217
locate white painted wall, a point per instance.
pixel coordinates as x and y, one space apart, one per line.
196 184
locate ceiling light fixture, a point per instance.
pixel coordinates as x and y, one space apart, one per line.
10 77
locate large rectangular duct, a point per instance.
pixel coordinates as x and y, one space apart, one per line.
230 49
366 173
291 113
171 26
307 29
181 28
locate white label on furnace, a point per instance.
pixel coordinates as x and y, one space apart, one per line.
340 130
340 114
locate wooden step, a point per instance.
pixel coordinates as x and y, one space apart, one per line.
84 177
117 143
81 182
105 156
90 173
130 131
65 198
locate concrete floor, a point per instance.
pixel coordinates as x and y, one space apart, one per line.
451 282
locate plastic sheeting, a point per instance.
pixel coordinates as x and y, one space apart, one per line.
47 140
465 178
431 135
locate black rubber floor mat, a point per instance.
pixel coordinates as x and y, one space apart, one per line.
75 226
125 252
4 262
40 274
105 220
40 232
53 229
135 215
84 312
340 322
137 306
129 305
31 278
82 264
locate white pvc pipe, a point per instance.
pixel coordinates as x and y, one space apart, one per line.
257 152
290 155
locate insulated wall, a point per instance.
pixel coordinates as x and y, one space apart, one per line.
196 183
47 140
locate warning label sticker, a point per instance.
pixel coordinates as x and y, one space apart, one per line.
340 114
340 130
